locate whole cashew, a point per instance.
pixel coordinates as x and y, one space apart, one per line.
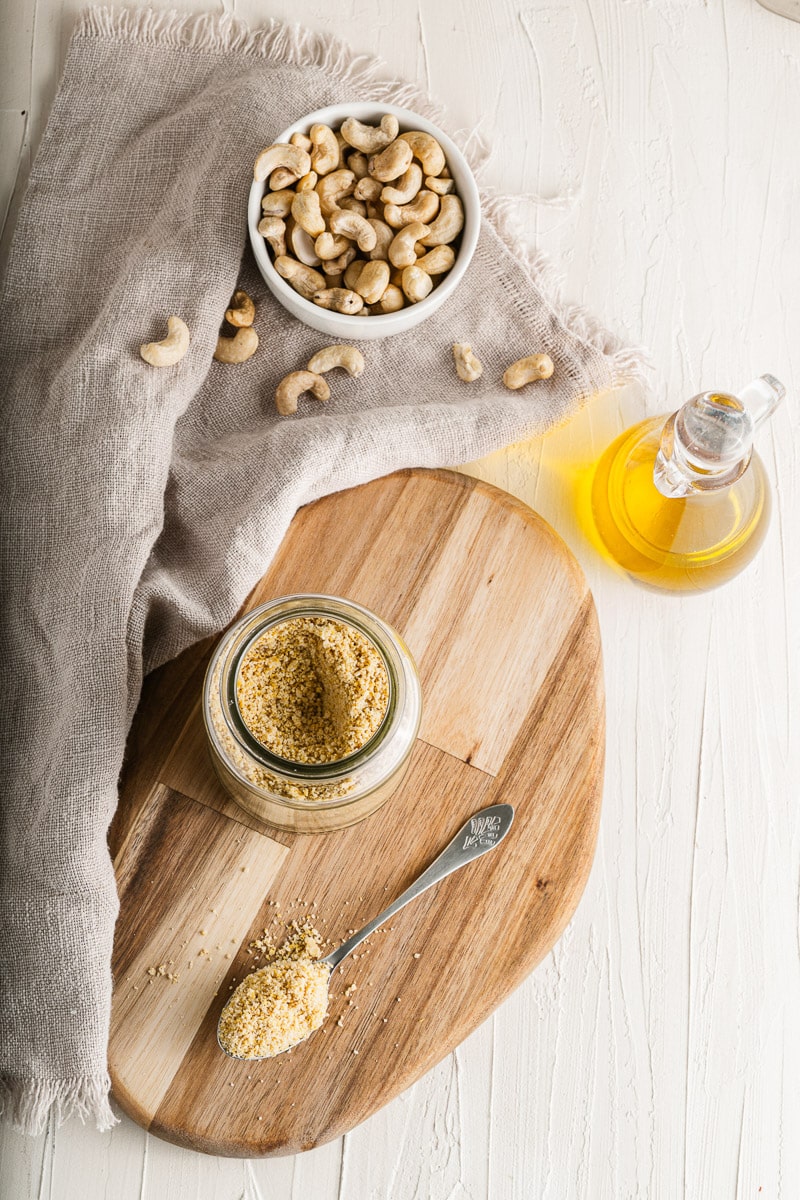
392 299
300 139
331 188
373 281
281 154
340 300
242 311
424 209
352 205
273 230
352 274
526 370
301 244
406 187
468 367
325 152
426 148
293 385
239 348
330 245
303 279
352 226
335 266
417 284
307 214
307 183
437 261
447 225
383 239
401 249
357 163
368 189
347 357
277 204
370 138
280 178
392 162
442 187
173 347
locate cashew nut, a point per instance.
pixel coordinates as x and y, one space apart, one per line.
340 300
331 188
392 162
347 357
277 204
280 178
468 367
370 138
406 187
401 249
330 245
325 152
300 139
424 209
307 183
442 187
447 225
273 230
353 205
373 281
335 266
242 311
392 299
301 244
352 273
303 279
293 385
368 189
383 239
352 226
357 163
307 214
417 284
526 370
426 148
239 348
281 154
437 261
173 347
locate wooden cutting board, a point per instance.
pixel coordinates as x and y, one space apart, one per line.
501 622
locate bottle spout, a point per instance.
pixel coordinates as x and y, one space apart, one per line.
707 444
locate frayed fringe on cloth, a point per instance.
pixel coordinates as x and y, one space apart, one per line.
27 1103
306 48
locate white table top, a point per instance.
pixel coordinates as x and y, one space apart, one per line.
656 1052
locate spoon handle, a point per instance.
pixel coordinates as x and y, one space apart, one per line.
480 834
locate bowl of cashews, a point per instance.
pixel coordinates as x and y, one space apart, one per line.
363 219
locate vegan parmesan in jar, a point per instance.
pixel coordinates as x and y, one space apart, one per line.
312 690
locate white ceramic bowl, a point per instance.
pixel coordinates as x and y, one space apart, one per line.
368 328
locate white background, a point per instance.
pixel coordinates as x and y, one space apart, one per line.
656 1052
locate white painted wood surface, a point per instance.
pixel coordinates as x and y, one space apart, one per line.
656 1053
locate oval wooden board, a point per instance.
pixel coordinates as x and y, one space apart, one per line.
501 622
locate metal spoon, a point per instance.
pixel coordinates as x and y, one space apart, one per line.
481 833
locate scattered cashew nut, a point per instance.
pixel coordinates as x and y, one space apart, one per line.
369 139
242 311
347 357
340 300
293 385
281 154
526 370
171 349
468 367
239 348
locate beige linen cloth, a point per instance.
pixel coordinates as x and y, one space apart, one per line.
139 506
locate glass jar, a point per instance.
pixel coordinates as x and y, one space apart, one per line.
305 797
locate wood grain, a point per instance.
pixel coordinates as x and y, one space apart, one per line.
504 630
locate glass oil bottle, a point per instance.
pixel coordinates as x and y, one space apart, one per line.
684 505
